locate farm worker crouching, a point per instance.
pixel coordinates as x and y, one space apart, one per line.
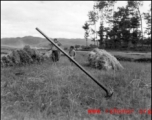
55 51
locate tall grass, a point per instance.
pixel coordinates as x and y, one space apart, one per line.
61 91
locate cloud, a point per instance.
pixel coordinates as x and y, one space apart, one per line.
62 17
55 18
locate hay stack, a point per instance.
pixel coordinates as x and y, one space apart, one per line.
16 57
22 57
101 59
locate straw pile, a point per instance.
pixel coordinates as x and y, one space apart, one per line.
101 59
22 57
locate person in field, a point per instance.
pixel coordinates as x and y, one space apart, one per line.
72 52
55 51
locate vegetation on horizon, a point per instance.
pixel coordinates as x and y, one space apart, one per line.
125 25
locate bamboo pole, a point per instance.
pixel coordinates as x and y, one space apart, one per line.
108 93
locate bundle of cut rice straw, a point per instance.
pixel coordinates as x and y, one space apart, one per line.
101 59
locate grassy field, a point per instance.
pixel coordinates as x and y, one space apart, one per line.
62 91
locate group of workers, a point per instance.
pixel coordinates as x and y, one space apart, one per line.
56 52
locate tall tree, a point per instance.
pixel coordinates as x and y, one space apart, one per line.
106 9
93 18
101 35
121 27
136 5
93 38
135 24
147 17
126 24
86 35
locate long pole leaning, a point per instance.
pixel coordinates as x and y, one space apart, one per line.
109 93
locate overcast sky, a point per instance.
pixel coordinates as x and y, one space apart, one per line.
57 19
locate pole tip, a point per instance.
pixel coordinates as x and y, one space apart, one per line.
109 94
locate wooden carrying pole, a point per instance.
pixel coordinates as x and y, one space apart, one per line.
108 93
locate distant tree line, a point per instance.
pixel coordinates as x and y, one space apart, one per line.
125 25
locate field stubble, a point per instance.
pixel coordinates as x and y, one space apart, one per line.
62 91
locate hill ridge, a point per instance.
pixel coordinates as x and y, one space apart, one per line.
39 41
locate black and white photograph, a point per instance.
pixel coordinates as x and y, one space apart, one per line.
76 60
